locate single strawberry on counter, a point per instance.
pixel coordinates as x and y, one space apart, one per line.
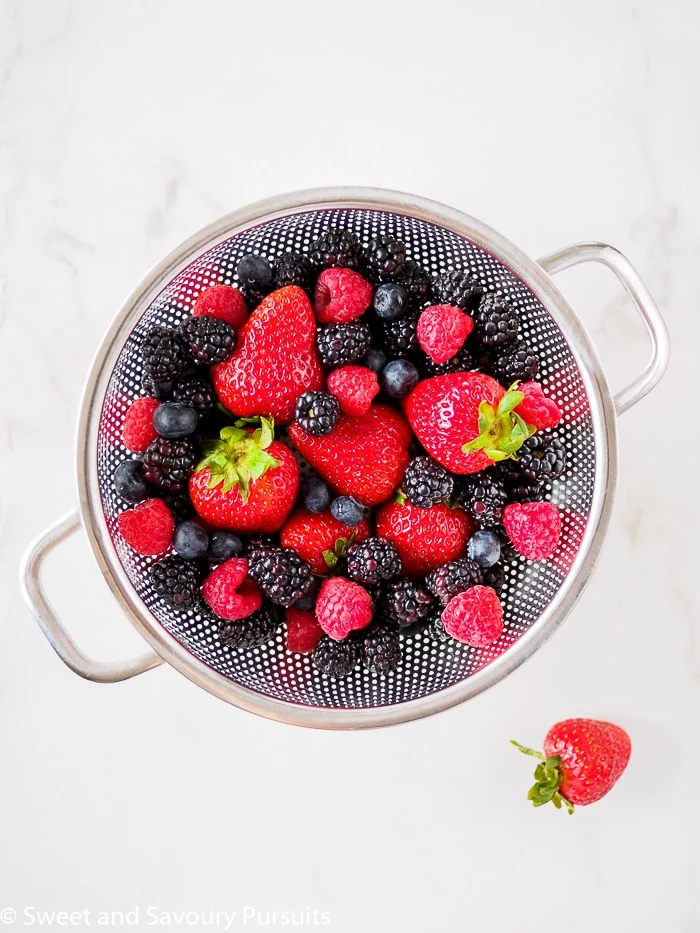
583 759
320 540
247 482
424 538
275 359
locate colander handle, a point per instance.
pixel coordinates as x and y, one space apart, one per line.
99 671
642 301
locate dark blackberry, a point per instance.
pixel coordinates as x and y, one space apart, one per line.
426 483
484 497
336 248
256 545
454 577
461 289
293 269
372 560
516 364
542 457
436 629
164 354
283 577
417 283
381 649
177 581
461 362
495 577
385 257
405 602
339 344
308 600
495 322
196 390
317 413
524 489
178 502
153 389
400 340
168 463
336 658
258 628
209 338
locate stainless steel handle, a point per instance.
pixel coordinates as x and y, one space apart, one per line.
642 301
99 671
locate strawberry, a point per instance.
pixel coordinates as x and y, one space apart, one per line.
364 457
583 758
320 539
424 538
247 481
466 420
275 359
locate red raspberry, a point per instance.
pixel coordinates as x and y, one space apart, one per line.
230 592
342 606
474 617
536 408
224 302
303 631
341 296
137 429
533 527
148 528
441 331
354 387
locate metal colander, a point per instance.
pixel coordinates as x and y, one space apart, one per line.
536 595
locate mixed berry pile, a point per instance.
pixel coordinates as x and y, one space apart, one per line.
343 445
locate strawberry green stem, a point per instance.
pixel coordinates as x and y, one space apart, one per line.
240 456
549 775
502 432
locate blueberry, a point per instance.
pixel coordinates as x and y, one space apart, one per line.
484 548
390 301
308 600
375 360
398 378
129 481
190 540
175 419
316 495
347 509
224 545
254 272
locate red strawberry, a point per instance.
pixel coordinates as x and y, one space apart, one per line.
303 631
248 481
533 527
364 457
441 331
275 359
536 409
474 617
230 592
466 420
224 302
137 429
354 387
341 296
424 538
584 759
148 528
320 539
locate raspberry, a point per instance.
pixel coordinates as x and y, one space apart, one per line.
342 606
229 592
303 631
341 296
138 430
536 408
354 387
441 331
148 528
224 302
474 617
533 527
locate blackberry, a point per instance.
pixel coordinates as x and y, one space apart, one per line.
381 650
484 497
336 248
256 546
400 339
416 281
317 413
164 354
516 364
168 463
283 577
372 560
452 578
197 391
461 362
426 483
336 658
495 322
339 344
178 502
293 269
461 289
436 629
495 577
308 600
385 257
258 628
524 489
542 457
177 581
405 602
210 339
153 389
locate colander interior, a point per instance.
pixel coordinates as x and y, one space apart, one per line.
428 665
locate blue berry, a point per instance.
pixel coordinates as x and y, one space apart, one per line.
484 548
316 495
190 540
398 378
390 301
224 545
374 360
175 419
254 272
347 509
129 481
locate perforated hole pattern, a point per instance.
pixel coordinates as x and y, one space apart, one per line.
428 665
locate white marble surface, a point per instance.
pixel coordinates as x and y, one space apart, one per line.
124 127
